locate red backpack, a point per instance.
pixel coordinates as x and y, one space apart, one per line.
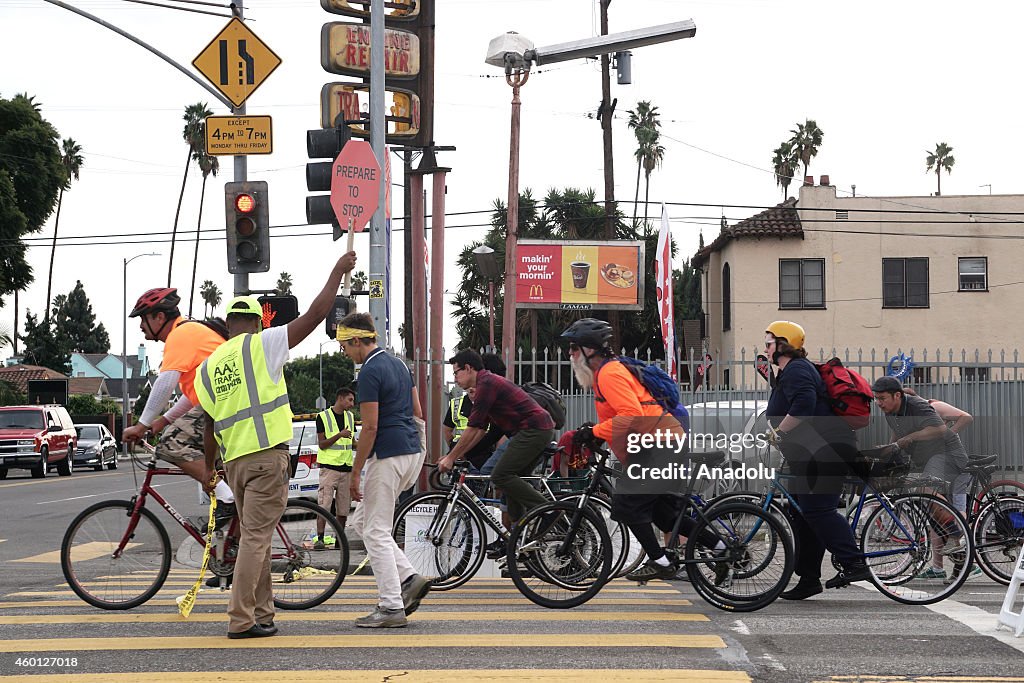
849 394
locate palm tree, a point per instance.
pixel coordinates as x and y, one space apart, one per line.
941 158
806 141
193 133
359 280
71 159
209 165
284 284
644 123
785 164
211 296
654 154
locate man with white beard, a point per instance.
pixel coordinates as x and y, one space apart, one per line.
626 408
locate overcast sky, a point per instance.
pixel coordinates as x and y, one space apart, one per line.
884 80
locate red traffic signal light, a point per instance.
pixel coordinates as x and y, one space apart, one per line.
248 226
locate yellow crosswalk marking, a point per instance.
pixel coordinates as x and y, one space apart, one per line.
83 551
222 598
322 642
343 590
404 675
424 614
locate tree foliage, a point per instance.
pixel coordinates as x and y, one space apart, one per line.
566 214
284 284
84 404
74 320
44 345
303 378
31 175
71 160
806 142
941 159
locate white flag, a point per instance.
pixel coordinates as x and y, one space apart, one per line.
663 279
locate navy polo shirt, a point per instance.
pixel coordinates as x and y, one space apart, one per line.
387 381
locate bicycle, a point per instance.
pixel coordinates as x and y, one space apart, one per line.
892 530
998 524
116 554
443 532
563 564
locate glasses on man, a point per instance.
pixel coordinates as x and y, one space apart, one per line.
456 371
574 347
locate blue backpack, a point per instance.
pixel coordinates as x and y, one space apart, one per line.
658 383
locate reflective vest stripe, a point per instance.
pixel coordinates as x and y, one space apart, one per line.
460 421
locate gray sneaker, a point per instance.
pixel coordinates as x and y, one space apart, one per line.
383 618
414 589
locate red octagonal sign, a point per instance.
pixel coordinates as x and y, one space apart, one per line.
355 185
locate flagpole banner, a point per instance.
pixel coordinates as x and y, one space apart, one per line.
666 302
387 246
580 275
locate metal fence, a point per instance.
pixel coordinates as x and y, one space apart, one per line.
989 385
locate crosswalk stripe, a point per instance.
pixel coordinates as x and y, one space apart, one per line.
404 675
322 642
440 598
422 615
343 590
83 551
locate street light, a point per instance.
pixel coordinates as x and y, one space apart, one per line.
321 402
516 53
488 267
124 350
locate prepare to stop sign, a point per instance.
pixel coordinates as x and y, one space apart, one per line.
355 185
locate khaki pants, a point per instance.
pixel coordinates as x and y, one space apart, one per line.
260 483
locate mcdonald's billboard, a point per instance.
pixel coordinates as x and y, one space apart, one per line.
580 275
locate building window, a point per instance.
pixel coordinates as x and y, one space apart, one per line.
974 374
922 375
973 274
904 283
726 298
802 283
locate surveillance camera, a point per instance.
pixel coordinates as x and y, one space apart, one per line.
508 50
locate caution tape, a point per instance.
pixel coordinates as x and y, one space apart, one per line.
293 575
187 601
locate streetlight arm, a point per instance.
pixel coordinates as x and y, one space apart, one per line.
613 42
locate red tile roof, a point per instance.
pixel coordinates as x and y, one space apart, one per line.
19 375
778 221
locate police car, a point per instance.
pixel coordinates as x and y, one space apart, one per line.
302 447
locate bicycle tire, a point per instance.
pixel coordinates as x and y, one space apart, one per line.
898 548
308 577
555 580
999 488
625 557
450 555
775 509
758 569
998 534
95 575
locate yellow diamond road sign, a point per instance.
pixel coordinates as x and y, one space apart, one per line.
236 62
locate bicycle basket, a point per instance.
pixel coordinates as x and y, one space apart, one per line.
886 468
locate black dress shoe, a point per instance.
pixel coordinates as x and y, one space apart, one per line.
802 590
214 581
254 631
858 572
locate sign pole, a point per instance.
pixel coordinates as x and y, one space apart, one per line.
378 130
346 287
241 168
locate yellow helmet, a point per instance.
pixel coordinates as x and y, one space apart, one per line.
791 332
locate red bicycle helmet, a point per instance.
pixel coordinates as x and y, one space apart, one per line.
157 299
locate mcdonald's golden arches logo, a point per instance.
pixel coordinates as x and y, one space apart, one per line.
536 291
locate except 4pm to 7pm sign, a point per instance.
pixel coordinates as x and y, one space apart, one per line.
580 275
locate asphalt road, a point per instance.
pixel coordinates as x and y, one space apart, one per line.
484 631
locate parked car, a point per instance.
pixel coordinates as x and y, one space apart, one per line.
36 438
736 428
96 448
305 473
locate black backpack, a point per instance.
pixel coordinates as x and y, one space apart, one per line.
548 398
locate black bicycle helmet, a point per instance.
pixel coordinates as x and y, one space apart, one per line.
589 332
155 300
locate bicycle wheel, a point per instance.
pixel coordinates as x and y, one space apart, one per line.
998 533
444 543
758 558
560 556
303 576
1000 488
901 538
626 551
775 509
106 580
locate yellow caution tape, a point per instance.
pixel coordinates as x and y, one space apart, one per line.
187 602
291 576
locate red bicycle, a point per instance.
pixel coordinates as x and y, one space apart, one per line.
116 554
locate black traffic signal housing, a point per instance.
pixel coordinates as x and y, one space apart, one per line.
342 307
278 309
247 211
325 143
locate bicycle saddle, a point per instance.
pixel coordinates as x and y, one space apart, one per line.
981 460
707 458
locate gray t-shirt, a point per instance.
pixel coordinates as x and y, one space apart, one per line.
915 414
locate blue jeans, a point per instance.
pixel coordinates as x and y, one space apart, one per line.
488 466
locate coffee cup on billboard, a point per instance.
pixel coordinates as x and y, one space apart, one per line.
580 274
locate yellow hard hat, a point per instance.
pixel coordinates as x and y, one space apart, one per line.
791 332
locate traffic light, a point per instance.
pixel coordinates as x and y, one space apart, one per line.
279 309
322 144
342 307
248 226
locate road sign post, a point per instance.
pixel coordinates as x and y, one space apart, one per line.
355 188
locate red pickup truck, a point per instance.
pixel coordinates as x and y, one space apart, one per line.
36 438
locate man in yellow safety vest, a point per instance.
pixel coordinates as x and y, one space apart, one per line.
335 429
242 390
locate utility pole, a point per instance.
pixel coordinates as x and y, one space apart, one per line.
607 110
